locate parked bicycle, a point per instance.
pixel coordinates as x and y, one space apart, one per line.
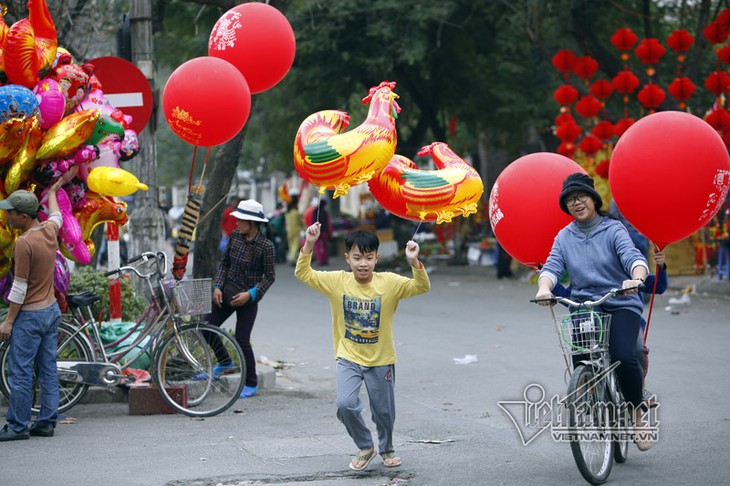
599 419
198 368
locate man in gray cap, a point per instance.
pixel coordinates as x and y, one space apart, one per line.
33 316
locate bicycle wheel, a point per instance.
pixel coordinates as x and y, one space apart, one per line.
620 422
589 423
184 363
72 346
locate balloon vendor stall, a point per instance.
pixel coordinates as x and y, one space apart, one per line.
49 126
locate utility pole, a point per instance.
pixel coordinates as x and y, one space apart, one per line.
146 221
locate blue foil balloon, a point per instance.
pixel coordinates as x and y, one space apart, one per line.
17 102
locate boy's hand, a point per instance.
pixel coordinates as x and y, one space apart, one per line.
412 250
311 235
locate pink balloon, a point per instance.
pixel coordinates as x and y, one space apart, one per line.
97 100
669 175
70 232
51 102
108 157
524 211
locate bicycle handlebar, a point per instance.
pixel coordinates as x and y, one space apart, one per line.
159 257
587 303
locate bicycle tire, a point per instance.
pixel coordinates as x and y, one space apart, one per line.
185 359
72 347
620 423
589 421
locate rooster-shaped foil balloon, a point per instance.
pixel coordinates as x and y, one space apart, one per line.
333 160
428 195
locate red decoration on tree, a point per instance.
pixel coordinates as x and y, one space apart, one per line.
680 41
622 125
567 149
563 118
624 39
724 54
719 119
588 107
602 89
569 132
717 82
715 33
625 82
602 169
585 67
566 95
564 60
590 144
650 51
603 130
651 96
682 89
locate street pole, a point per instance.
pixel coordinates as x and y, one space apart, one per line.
146 221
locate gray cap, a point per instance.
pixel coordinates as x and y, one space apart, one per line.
22 201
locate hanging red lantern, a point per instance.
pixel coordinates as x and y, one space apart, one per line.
719 119
723 54
566 95
590 144
651 96
568 132
602 89
624 39
564 60
682 89
585 67
717 82
625 82
567 149
601 169
603 130
588 107
680 41
650 51
723 18
715 33
564 118
622 125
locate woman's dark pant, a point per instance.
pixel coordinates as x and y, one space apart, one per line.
245 318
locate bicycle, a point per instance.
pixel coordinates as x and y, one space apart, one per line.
599 419
198 368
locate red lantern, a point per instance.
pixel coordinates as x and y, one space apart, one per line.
602 89
590 145
682 89
603 130
680 41
525 195
723 19
564 60
719 119
622 125
715 33
602 168
650 51
258 40
206 101
717 82
588 107
567 149
585 67
564 118
723 54
566 95
669 154
624 39
651 96
625 82
569 132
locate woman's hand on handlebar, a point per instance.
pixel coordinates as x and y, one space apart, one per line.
632 286
543 296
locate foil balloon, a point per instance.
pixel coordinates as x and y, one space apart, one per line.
51 102
17 102
69 233
330 159
24 160
97 101
130 145
107 155
65 137
74 81
12 137
105 127
454 189
30 46
111 181
97 209
49 171
61 274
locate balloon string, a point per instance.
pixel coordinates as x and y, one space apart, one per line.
192 168
417 228
205 165
651 303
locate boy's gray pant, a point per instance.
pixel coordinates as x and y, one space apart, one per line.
380 386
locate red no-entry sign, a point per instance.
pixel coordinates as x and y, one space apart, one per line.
126 88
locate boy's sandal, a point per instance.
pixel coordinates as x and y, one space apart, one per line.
362 458
390 459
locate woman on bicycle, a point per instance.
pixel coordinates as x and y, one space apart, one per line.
597 253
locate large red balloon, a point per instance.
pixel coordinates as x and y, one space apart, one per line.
669 175
523 207
258 40
206 101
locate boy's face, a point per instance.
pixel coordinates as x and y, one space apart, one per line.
362 264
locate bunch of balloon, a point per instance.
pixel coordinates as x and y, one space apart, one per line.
207 100
54 116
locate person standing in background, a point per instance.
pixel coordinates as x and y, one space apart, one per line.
228 223
294 227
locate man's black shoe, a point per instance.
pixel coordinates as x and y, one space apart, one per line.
42 429
9 434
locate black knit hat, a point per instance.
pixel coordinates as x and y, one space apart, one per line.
579 183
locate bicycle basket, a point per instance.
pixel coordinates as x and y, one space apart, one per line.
192 296
583 331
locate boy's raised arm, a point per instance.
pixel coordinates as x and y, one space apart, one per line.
311 235
412 250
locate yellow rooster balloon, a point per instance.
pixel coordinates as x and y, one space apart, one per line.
63 138
333 160
24 161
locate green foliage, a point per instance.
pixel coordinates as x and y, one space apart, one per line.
85 278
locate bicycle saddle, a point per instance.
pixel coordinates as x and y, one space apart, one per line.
87 297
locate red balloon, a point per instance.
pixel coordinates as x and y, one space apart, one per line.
669 175
206 101
523 207
258 40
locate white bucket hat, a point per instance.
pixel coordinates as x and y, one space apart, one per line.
250 210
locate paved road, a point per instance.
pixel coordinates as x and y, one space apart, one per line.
450 429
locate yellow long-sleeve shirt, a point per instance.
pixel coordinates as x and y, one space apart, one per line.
362 315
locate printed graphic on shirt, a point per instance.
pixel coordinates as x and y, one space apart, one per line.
362 319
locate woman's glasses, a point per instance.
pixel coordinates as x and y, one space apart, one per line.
573 200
